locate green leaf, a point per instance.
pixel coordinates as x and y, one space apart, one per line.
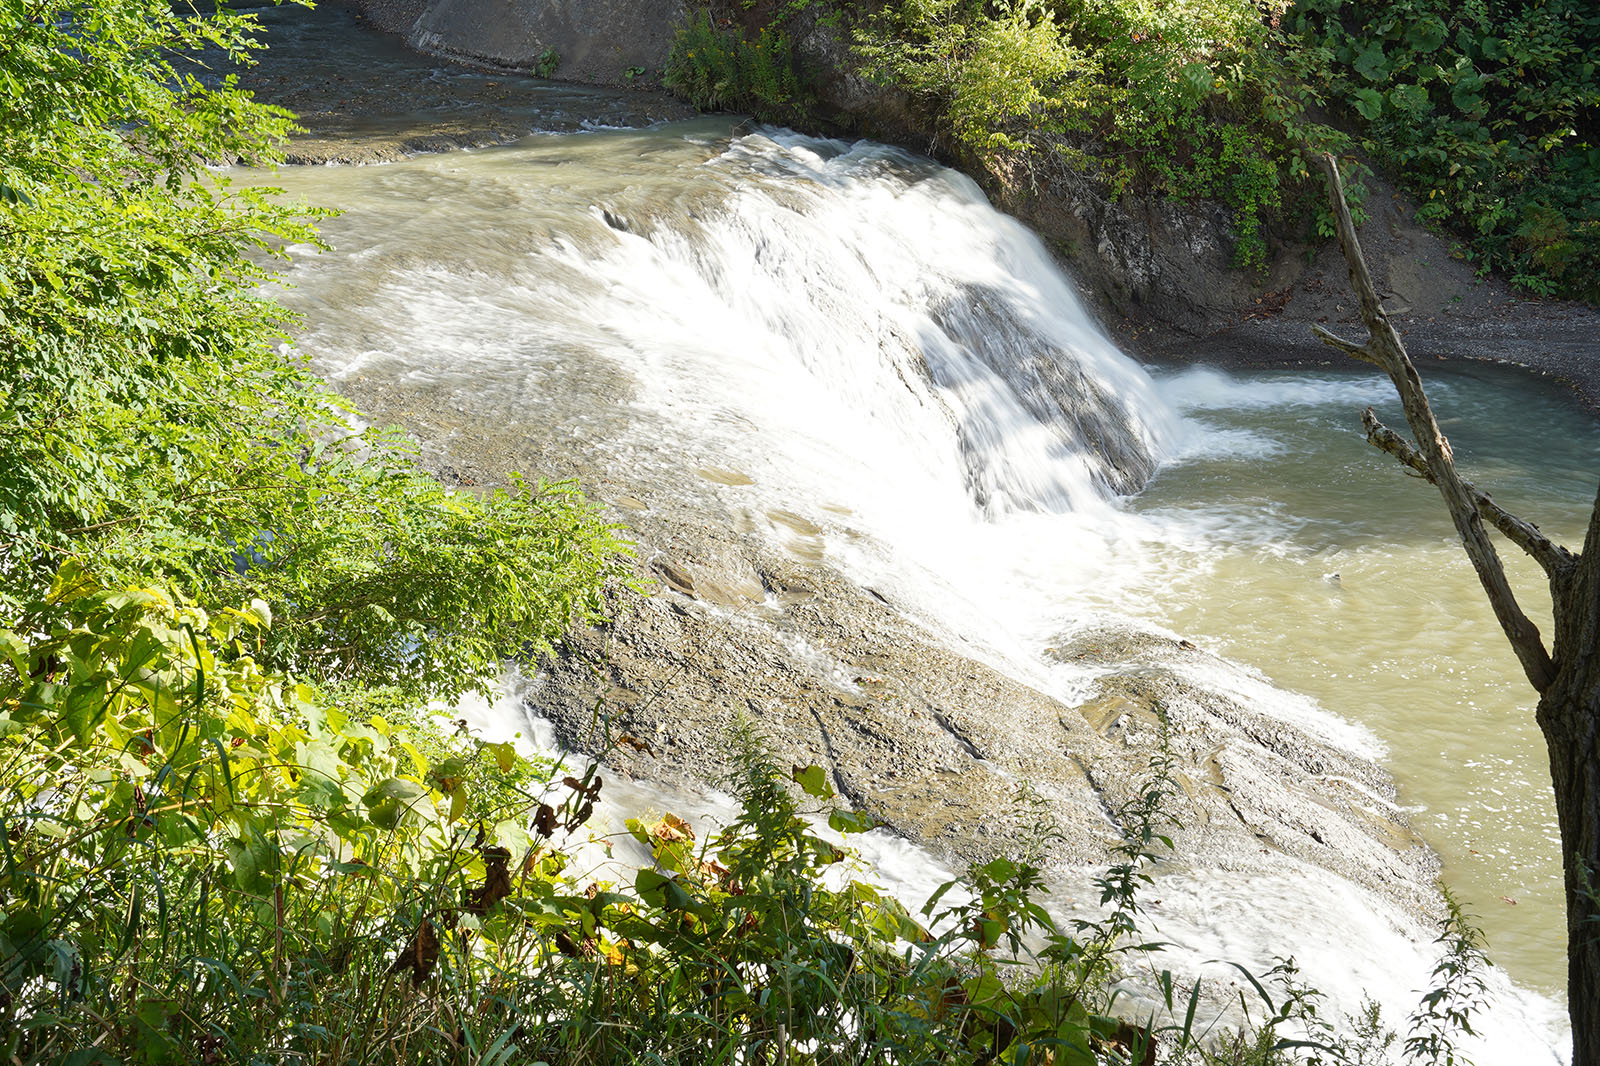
254 859
419 762
661 891
1412 99
15 650
1426 33
813 781
1194 82
1369 103
85 708
512 835
89 1057
1466 97
258 614
851 822
1371 63
394 800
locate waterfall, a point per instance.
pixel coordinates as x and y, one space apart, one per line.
851 292
769 343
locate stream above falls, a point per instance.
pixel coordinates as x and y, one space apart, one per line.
839 355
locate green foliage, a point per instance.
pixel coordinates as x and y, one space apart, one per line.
151 425
547 63
722 70
1458 993
126 296
1006 82
204 860
1487 114
207 862
1188 99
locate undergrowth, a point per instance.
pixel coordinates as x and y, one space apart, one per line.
1189 100
204 862
724 69
1485 113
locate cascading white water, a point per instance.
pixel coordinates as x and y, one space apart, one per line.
853 339
862 297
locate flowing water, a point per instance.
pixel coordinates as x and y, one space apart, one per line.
851 337
1342 579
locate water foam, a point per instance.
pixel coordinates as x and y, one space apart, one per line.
857 330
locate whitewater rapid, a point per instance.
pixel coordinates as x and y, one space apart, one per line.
884 374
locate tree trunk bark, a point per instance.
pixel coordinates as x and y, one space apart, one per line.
1567 678
1569 717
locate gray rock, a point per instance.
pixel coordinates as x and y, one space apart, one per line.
597 41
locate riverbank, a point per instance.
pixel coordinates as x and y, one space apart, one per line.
750 612
363 97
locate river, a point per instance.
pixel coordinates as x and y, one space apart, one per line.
844 348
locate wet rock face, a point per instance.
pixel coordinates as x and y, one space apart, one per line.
597 41
830 674
739 614
1257 786
1142 259
937 743
1086 417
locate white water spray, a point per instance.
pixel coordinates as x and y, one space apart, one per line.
873 351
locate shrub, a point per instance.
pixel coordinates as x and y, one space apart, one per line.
1186 100
721 70
155 428
1486 113
205 862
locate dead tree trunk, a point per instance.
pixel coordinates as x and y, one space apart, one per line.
1567 677
1569 718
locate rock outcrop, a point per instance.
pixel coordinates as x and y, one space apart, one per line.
592 41
1158 273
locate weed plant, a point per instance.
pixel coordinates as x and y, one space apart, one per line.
719 69
204 862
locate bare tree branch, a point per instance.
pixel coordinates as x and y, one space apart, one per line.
1350 348
1384 348
1556 560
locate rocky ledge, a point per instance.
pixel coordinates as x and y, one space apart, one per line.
1160 275
921 728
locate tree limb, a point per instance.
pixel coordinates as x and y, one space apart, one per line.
1556 560
1350 348
1386 351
